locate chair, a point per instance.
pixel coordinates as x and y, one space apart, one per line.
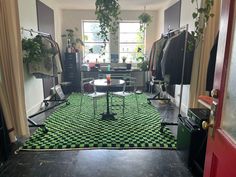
129 88
90 93
160 87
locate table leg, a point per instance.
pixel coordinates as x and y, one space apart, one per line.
108 112
108 115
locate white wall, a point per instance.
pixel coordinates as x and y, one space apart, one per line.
33 86
187 8
28 19
73 18
160 22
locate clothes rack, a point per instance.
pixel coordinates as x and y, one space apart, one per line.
163 124
176 30
43 34
53 98
161 84
37 32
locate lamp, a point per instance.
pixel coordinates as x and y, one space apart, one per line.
140 50
90 51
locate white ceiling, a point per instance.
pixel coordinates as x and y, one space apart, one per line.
125 4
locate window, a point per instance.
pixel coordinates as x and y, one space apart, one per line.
94 42
130 40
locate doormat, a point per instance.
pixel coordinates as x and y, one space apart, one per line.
68 128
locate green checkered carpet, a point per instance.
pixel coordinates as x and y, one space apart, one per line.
69 128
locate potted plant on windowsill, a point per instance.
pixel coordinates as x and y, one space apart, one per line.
74 43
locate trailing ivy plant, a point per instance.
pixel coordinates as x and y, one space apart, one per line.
201 17
107 12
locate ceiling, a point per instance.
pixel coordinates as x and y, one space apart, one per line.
125 4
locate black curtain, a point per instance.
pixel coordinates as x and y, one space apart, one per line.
4 139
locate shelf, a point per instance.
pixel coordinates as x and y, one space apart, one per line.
205 101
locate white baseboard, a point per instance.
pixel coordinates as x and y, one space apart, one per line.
184 108
34 109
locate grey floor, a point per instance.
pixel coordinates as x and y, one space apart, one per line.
100 163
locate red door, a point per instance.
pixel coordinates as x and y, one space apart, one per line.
221 146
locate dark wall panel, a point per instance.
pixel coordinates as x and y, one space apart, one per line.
172 17
45 17
172 21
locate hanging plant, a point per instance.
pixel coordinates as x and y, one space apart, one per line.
107 12
201 17
145 20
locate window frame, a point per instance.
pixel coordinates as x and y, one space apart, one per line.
119 41
96 42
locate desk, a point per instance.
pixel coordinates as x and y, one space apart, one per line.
102 83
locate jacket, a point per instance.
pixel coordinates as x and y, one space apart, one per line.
172 60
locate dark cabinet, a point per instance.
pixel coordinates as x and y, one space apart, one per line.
71 71
192 139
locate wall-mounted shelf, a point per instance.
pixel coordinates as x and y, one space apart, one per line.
206 101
